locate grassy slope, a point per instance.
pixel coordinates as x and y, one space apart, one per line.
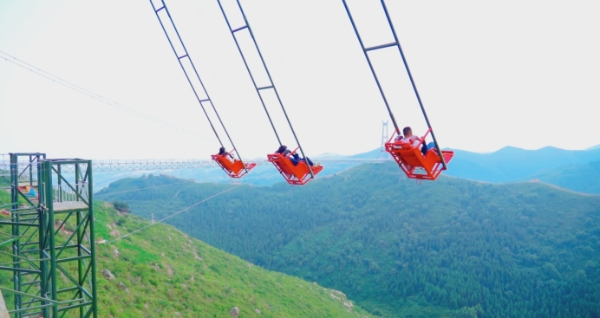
165 272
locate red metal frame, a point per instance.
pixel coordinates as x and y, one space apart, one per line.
295 175
413 163
233 169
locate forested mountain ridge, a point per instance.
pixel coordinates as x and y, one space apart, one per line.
584 177
577 170
436 249
511 164
161 272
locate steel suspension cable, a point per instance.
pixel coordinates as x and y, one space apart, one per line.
269 75
237 44
179 58
387 105
84 91
412 82
383 46
247 26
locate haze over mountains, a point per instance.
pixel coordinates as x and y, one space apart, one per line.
577 170
513 164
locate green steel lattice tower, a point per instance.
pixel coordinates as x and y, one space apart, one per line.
53 250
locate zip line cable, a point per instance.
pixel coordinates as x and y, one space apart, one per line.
174 214
140 189
58 80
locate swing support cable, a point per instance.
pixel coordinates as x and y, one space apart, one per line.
414 86
271 84
184 56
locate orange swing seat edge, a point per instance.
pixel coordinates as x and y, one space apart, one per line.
233 169
413 163
295 175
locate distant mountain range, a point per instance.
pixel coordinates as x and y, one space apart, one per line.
583 177
264 175
512 164
576 170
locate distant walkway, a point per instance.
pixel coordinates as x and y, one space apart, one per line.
168 164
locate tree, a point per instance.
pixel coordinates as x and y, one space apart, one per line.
121 206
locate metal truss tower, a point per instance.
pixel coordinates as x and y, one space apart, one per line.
384 134
52 223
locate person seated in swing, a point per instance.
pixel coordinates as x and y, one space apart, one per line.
398 140
282 150
414 141
295 158
223 153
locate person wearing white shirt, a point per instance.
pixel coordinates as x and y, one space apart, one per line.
414 141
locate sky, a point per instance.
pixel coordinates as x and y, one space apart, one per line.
490 75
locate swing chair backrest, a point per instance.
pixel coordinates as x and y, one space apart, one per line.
234 169
298 174
410 158
282 162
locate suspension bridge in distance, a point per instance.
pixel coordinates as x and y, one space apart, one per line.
108 165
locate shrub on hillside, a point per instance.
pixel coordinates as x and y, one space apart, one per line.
121 206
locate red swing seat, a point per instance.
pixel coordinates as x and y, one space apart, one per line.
234 169
296 175
413 163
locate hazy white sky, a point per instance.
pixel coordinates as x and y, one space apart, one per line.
491 74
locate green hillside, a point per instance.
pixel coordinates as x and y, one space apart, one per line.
161 272
403 249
